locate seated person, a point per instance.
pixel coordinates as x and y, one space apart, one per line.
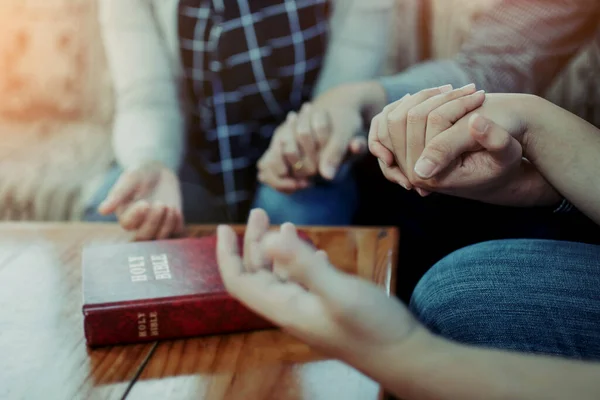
200 88
508 319
513 47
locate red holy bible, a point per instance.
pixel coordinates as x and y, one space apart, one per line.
166 289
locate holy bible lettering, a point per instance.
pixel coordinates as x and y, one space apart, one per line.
147 325
160 268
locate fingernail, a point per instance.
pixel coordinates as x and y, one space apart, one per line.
445 88
403 185
383 162
425 168
480 124
328 171
469 86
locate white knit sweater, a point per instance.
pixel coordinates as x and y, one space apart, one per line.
140 38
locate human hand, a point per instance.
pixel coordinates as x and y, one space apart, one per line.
398 134
442 146
292 284
147 200
315 141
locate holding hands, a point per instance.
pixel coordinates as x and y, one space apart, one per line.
313 142
445 140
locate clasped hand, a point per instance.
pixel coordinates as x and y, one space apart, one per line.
313 142
438 140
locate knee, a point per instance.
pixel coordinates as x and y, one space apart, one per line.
462 296
326 205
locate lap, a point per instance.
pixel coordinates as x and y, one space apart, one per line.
538 296
327 203
330 203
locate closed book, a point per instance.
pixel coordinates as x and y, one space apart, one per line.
165 289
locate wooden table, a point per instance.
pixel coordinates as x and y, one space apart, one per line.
43 353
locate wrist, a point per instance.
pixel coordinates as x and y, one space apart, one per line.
407 367
366 97
530 108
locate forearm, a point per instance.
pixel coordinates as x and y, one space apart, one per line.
426 367
149 123
357 49
438 369
566 151
489 57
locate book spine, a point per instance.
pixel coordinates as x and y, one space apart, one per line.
163 320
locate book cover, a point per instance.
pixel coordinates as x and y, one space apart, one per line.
165 289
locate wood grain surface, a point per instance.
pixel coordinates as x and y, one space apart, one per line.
43 352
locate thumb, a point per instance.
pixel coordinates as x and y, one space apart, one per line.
504 148
333 153
123 191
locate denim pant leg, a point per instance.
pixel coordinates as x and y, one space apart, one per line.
325 203
537 296
199 205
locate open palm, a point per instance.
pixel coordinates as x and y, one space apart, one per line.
292 284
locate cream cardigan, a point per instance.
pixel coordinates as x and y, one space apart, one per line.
141 43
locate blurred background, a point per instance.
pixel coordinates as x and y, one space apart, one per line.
56 101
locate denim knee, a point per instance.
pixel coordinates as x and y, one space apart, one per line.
526 295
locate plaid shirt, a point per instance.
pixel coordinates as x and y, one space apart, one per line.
247 63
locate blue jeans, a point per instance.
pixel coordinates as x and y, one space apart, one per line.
325 203
535 296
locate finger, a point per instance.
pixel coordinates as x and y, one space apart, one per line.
504 148
273 160
153 222
333 153
394 174
228 256
321 126
300 261
290 149
449 145
282 184
307 142
423 192
397 125
358 145
289 233
418 120
132 217
383 131
375 146
323 255
257 226
169 225
448 113
180 223
121 192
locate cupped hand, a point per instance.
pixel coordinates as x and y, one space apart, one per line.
147 200
287 281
